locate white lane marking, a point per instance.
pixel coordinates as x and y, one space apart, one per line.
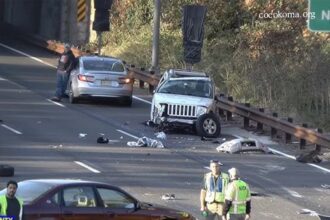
28 55
321 168
142 100
283 154
11 129
292 157
87 167
128 134
56 103
3 79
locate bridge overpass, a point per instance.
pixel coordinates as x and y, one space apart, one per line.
51 19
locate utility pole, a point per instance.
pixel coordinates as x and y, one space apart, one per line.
155 39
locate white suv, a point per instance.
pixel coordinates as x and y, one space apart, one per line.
186 98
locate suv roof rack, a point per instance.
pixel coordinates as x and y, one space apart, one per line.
185 73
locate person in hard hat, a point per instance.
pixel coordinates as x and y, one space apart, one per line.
64 67
10 205
238 198
212 195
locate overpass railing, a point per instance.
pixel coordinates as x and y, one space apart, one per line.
226 105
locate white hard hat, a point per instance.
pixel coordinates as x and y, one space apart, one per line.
233 172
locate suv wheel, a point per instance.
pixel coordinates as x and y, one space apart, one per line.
72 98
208 125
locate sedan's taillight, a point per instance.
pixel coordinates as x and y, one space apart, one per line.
124 80
86 78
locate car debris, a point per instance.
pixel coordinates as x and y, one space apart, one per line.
313 213
82 135
102 140
308 212
168 196
325 186
239 145
309 157
146 142
160 135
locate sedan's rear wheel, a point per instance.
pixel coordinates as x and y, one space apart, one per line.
72 98
208 125
127 101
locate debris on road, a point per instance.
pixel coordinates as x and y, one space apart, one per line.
160 135
309 212
313 213
309 157
102 140
82 135
146 142
149 123
325 186
168 196
242 145
59 146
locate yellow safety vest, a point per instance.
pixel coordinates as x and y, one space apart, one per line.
215 192
240 193
3 204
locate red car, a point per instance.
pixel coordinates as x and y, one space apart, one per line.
61 199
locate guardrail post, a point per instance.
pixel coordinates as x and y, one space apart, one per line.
220 111
318 147
303 141
273 131
246 119
151 87
229 115
288 137
260 125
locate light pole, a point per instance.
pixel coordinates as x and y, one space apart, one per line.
155 39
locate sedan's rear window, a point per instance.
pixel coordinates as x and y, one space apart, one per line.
29 191
103 65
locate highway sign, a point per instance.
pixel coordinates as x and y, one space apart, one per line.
319 15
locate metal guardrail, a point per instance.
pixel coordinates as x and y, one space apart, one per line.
225 104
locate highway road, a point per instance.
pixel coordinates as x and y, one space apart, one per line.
41 139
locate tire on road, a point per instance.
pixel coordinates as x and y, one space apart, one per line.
6 170
208 125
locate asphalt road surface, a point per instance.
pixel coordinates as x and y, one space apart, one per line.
43 139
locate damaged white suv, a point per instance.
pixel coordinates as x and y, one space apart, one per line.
186 98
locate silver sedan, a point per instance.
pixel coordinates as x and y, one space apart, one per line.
100 77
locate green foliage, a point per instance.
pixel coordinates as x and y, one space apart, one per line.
275 63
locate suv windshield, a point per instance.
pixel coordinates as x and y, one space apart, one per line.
103 65
200 88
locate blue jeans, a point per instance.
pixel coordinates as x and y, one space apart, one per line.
61 83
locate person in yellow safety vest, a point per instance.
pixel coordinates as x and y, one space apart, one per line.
10 205
238 198
212 196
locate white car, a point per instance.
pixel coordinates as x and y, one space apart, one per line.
100 77
186 98
242 145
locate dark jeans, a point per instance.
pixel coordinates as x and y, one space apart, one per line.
61 83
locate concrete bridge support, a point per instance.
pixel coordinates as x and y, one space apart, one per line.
50 19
